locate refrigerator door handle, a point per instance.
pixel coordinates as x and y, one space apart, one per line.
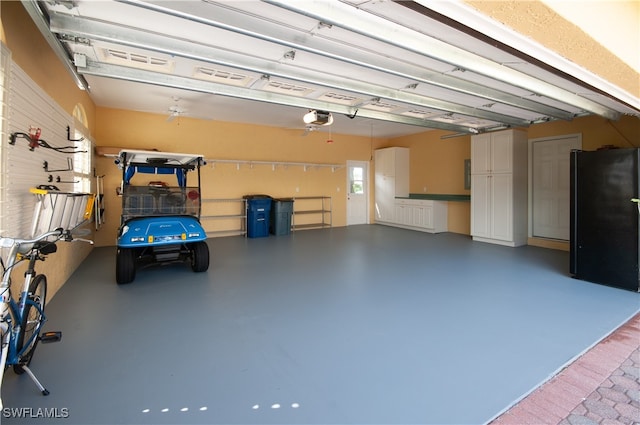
573 232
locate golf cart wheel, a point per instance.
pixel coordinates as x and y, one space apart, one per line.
125 265
199 257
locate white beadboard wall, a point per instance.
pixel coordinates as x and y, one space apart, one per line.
28 105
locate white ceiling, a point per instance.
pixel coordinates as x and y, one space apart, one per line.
383 68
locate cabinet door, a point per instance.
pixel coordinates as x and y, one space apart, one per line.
428 220
481 153
385 197
481 205
492 153
502 207
398 213
502 152
403 214
385 162
401 174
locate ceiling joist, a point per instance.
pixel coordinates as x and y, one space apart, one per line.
345 16
126 36
192 84
368 61
254 26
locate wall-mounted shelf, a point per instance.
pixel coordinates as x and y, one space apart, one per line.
109 151
316 207
230 215
273 164
113 151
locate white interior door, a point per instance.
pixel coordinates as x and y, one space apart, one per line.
550 189
357 192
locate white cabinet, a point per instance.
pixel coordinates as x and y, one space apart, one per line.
499 188
388 159
421 214
393 207
403 214
494 152
391 180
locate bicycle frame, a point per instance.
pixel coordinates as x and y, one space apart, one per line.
12 313
10 353
17 313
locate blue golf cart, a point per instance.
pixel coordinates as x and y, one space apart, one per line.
160 222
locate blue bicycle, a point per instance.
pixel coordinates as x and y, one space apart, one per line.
21 320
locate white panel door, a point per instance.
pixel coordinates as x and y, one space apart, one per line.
357 192
480 205
550 186
501 206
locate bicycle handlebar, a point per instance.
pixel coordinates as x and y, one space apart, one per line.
59 233
89 241
23 246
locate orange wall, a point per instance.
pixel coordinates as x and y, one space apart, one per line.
596 131
437 167
436 164
439 164
224 140
31 52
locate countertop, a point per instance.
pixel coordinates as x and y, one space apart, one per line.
437 197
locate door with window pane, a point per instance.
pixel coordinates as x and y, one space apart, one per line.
357 192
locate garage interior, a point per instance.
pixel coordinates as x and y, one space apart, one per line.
354 324
353 321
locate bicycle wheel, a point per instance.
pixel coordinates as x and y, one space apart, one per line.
31 322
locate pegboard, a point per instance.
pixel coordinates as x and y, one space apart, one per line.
26 105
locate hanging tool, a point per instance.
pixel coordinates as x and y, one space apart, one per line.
35 141
69 166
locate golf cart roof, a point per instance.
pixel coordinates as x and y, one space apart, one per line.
159 159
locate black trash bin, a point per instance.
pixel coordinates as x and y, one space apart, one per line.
281 212
258 213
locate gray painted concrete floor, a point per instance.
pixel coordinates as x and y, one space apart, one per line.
358 325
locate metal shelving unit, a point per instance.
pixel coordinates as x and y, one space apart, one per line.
226 210
317 206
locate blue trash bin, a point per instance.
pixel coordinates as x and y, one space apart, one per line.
258 212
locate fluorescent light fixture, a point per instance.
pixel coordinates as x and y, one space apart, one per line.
318 117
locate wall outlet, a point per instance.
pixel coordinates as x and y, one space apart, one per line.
424 189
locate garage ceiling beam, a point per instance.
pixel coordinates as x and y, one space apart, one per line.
477 22
379 28
253 26
40 20
185 83
98 30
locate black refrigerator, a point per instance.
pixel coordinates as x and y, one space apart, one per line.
604 245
